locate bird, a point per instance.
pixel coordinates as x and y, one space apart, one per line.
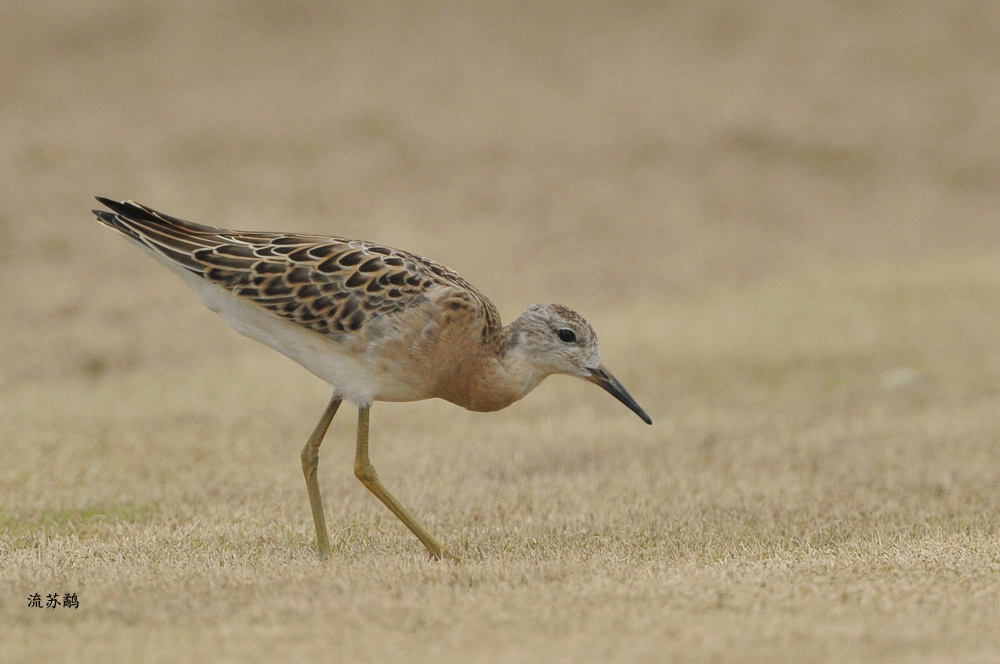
376 323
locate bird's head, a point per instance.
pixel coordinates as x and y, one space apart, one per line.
557 340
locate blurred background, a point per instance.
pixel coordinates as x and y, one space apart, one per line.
718 181
782 218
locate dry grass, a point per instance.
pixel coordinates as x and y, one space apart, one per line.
781 218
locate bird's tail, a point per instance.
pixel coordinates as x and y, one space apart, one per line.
170 239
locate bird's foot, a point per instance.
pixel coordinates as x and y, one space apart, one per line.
444 554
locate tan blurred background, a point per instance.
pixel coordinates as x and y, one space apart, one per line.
783 218
591 153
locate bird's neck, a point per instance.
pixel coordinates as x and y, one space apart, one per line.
502 374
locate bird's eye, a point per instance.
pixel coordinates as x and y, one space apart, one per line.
566 335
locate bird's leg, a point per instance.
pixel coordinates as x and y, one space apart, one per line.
310 462
365 472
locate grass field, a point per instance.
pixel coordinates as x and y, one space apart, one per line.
783 220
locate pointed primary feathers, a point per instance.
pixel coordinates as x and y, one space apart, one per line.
329 284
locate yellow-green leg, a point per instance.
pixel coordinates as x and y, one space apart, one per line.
365 472
310 462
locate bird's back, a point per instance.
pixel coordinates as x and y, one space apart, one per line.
350 311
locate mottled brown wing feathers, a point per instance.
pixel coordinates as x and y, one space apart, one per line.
329 284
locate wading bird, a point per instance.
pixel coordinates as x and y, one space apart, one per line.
376 323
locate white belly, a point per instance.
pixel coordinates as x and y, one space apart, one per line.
346 371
